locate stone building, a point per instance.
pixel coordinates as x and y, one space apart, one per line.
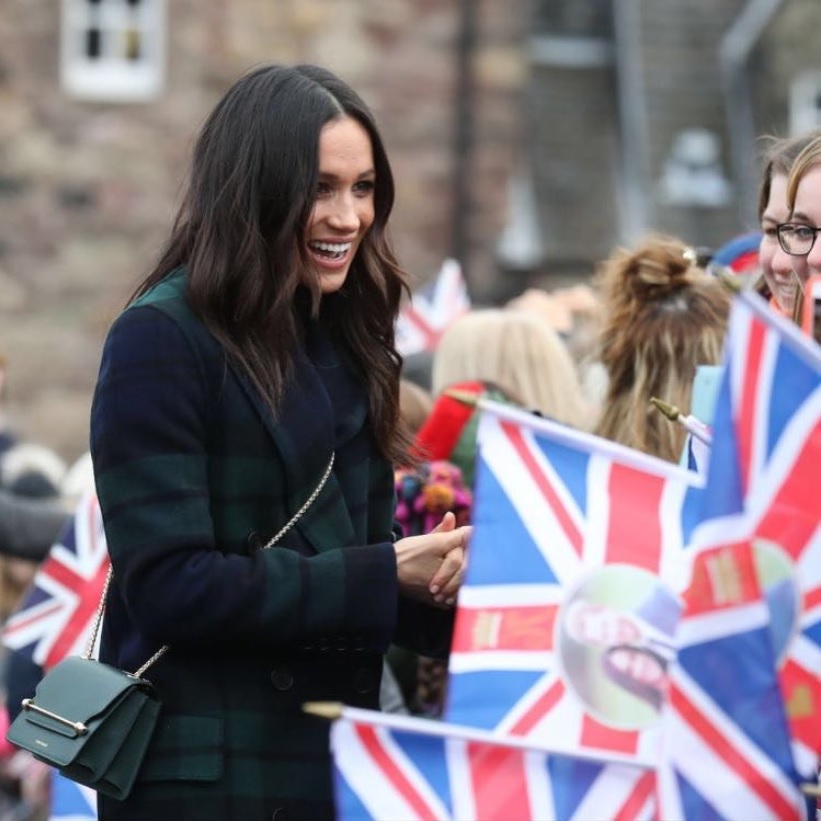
528 138
99 102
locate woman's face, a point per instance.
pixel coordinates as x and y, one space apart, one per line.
807 211
344 205
779 268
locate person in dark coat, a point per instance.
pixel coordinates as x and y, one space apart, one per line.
260 346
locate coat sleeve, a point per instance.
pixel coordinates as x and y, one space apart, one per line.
152 442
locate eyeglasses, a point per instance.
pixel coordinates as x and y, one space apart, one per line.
796 239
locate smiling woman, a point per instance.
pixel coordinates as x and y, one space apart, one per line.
249 395
343 211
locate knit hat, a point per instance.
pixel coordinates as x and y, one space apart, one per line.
740 254
449 432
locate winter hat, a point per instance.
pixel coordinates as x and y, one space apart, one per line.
449 432
740 254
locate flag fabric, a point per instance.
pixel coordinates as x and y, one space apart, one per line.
762 488
726 742
697 445
697 454
432 310
71 801
570 536
410 768
56 615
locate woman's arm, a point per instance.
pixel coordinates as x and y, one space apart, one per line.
155 436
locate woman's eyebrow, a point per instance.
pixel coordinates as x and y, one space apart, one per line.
328 175
801 216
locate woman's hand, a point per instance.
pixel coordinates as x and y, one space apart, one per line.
430 567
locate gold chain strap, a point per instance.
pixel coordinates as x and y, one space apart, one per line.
271 543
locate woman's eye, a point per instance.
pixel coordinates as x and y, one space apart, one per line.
365 187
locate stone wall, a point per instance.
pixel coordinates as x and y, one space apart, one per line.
87 190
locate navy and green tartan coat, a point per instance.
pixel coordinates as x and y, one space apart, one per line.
194 476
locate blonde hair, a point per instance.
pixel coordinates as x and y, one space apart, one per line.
518 353
663 317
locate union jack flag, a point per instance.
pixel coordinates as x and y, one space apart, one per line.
432 310
56 616
571 533
726 738
762 487
396 767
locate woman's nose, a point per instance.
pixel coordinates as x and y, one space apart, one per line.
782 262
343 214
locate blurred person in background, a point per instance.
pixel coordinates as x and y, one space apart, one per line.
575 314
521 355
663 317
7 436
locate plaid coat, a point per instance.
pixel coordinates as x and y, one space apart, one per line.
194 476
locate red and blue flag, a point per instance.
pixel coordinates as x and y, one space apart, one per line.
762 487
432 310
726 743
571 536
56 615
389 767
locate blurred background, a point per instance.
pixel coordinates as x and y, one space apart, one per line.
528 138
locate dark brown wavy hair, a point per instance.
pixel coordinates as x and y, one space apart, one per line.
663 317
240 234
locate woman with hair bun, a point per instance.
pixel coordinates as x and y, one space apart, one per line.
663 317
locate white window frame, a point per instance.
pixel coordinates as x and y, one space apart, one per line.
805 102
112 77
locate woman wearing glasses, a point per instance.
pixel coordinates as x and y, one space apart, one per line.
797 236
782 276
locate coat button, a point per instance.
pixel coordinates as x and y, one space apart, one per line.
280 814
254 541
365 680
282 678
340 644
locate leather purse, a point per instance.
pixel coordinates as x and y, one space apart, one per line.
93 722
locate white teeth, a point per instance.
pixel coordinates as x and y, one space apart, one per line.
332 247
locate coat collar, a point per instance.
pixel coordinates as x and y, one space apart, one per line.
303 431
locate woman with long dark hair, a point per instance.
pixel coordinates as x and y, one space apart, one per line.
251 383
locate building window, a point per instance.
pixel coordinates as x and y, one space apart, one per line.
805 102
113 50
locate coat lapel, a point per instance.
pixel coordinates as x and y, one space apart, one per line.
303 434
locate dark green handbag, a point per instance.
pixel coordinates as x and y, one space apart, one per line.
91 721
94 722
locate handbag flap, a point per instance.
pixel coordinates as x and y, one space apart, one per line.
78 690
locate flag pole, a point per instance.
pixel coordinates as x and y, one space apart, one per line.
689 423
331 710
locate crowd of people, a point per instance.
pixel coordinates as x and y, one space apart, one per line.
251 392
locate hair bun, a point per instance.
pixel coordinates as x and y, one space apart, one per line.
653 271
